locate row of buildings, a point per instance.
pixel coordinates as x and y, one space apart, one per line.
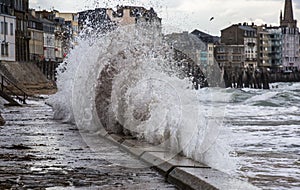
28 35
250 46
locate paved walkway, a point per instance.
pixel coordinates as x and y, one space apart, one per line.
37 152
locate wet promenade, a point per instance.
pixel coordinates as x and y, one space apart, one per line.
40 153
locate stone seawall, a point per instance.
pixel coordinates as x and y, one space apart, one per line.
178 170
27 76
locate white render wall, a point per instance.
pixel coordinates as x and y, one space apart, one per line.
49 46
250 52
290 50
8 38
58 49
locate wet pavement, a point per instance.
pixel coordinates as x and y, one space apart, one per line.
40 153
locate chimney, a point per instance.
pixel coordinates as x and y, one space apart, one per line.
109 12
32 12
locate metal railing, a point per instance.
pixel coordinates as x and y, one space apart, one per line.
9 87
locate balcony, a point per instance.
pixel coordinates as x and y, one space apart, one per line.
251 44
250 59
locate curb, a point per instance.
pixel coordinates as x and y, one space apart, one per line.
178 170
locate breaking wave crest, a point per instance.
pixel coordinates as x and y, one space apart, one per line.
127 81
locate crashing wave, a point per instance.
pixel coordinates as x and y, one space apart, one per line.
129 81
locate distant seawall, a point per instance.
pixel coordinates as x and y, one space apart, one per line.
259 78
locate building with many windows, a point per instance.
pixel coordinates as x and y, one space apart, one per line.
36 42
21 11
129 15
275 53
263 46
245 35
71 22
207 55
7 32
97 20
70 31
105 19
49 39
230 56
49 27
59 38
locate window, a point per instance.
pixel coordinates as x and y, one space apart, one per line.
11 29
2 27
19 4
18 25
4 49
6 28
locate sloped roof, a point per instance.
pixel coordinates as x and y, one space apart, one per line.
246 28
206 38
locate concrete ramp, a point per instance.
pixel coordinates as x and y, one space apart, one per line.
27 76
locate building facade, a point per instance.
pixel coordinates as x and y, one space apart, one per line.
263 47
49 40
106 19
230 56
47 19
59 25
190 45
7 32
70 31
207 55
36 42
94 21
242 35
71 20
210 54
129 15
21 12
290 39
275 54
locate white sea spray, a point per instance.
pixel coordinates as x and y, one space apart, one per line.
149 97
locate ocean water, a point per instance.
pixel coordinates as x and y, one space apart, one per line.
127 82
265 134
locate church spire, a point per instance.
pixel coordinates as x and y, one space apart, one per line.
288 11
288 17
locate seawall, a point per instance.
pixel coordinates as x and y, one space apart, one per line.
27 76
178 170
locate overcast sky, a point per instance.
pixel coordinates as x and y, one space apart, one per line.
186 15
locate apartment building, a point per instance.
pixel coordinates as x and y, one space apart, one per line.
7 32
